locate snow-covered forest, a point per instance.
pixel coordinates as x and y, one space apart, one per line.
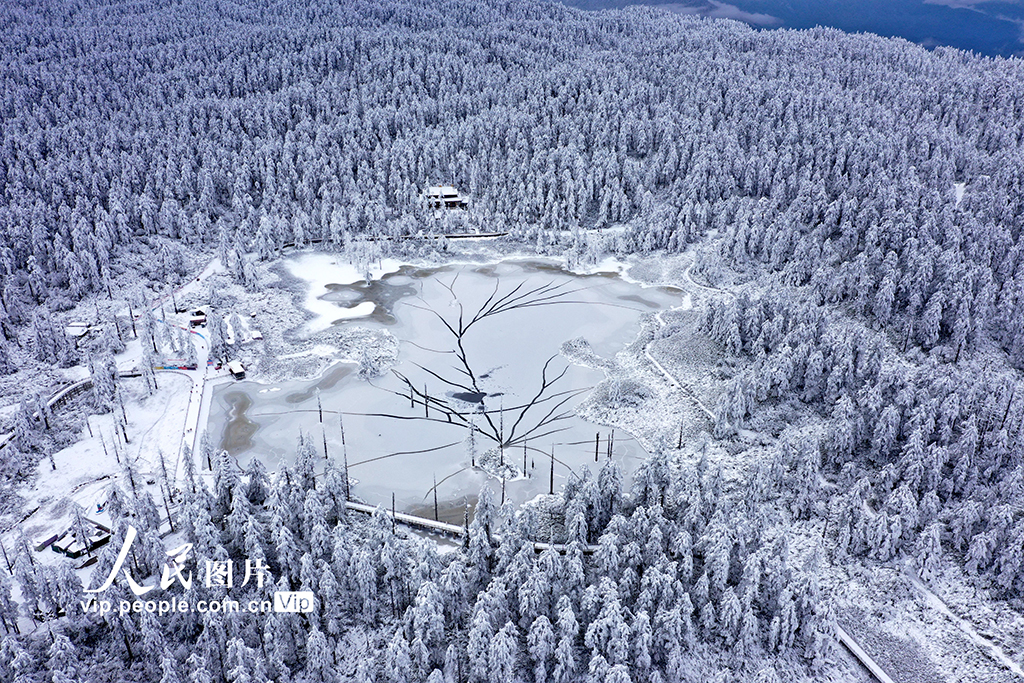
855 203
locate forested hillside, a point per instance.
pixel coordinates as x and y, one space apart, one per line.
862 197
830 156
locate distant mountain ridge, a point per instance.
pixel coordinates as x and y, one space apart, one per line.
988 28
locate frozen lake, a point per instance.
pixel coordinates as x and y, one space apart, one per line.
479 356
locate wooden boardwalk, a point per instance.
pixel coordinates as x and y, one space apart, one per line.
63 396
447 529
862 656
399 238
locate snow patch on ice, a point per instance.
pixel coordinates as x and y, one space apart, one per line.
608 264
320 270
611 265
358 311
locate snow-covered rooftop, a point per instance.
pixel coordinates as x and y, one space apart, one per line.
442 191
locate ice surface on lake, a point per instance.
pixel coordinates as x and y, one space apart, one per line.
392 444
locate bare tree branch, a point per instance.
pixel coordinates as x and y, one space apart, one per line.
393 455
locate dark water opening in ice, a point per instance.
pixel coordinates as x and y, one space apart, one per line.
328 381
469 396
480 391
236 437
384 293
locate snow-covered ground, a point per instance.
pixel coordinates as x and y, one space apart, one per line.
85 470
157 424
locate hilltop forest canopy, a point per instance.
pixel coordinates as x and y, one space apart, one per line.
817 165
249 125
